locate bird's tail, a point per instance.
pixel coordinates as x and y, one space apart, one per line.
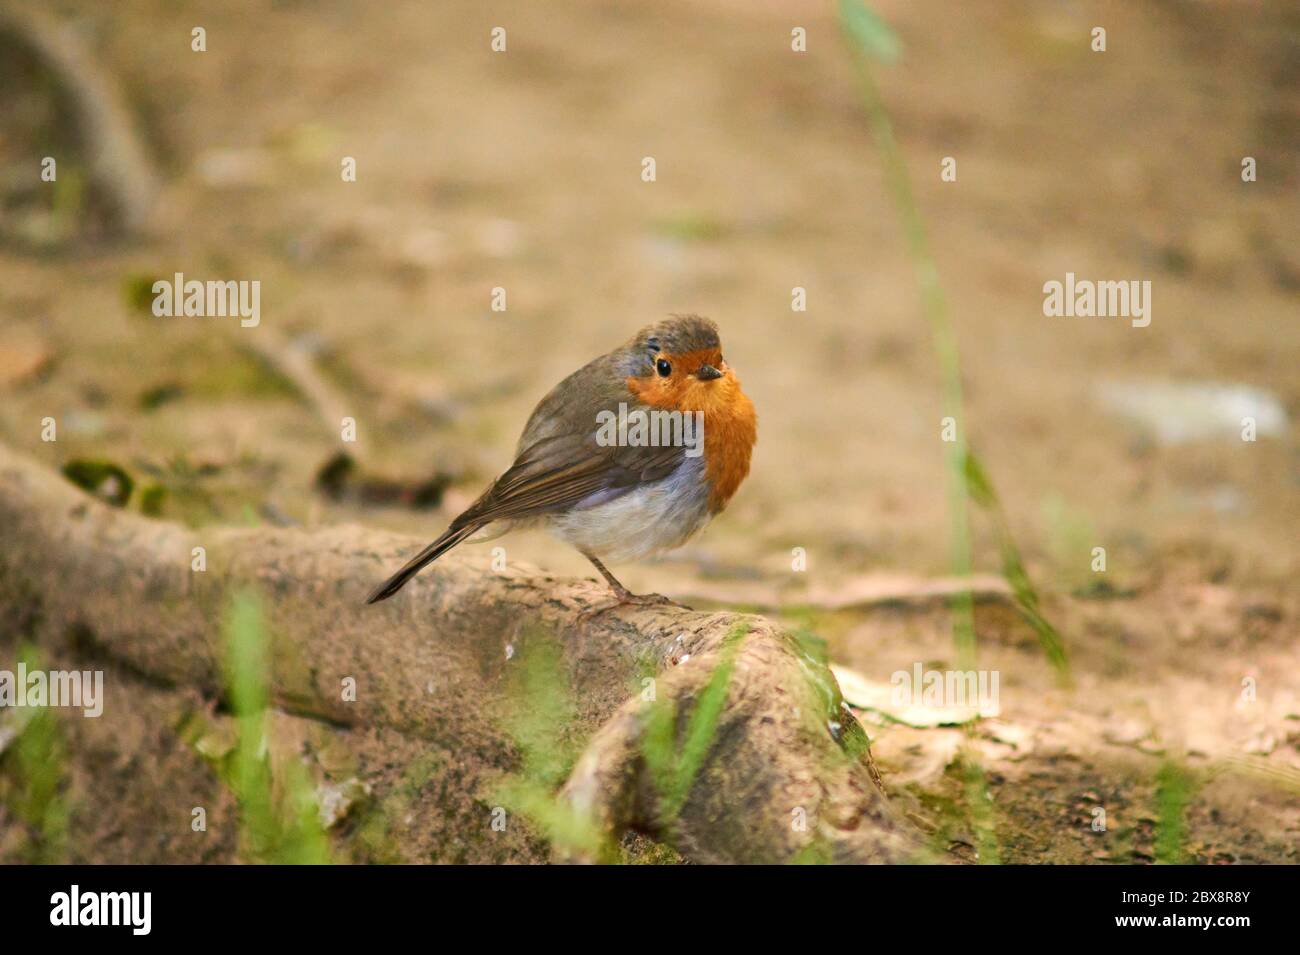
450 538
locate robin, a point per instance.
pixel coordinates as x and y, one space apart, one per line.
628 456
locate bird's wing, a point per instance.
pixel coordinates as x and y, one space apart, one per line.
564 468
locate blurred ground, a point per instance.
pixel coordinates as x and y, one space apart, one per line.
522 170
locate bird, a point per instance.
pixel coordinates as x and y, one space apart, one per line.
629 456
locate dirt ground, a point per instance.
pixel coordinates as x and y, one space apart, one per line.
522 170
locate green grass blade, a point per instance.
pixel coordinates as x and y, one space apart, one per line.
870 33
966 479
278 824
674 771
1013 566
1173 793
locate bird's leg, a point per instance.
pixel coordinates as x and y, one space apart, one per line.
620 591
624 595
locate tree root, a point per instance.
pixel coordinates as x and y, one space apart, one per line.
785 773
120 163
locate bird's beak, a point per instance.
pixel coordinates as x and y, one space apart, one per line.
708 373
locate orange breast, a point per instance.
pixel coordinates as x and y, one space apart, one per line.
730 427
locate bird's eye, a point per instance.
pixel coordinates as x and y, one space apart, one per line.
663 367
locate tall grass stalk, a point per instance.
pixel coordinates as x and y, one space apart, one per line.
674 770
965 478
539 718
871 39
279 818
1173 793
38 761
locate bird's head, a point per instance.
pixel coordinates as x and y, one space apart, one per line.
678 363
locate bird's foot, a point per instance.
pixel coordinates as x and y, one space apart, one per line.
625 598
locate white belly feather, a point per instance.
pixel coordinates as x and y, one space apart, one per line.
644 521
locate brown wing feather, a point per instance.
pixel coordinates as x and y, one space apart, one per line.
562 470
